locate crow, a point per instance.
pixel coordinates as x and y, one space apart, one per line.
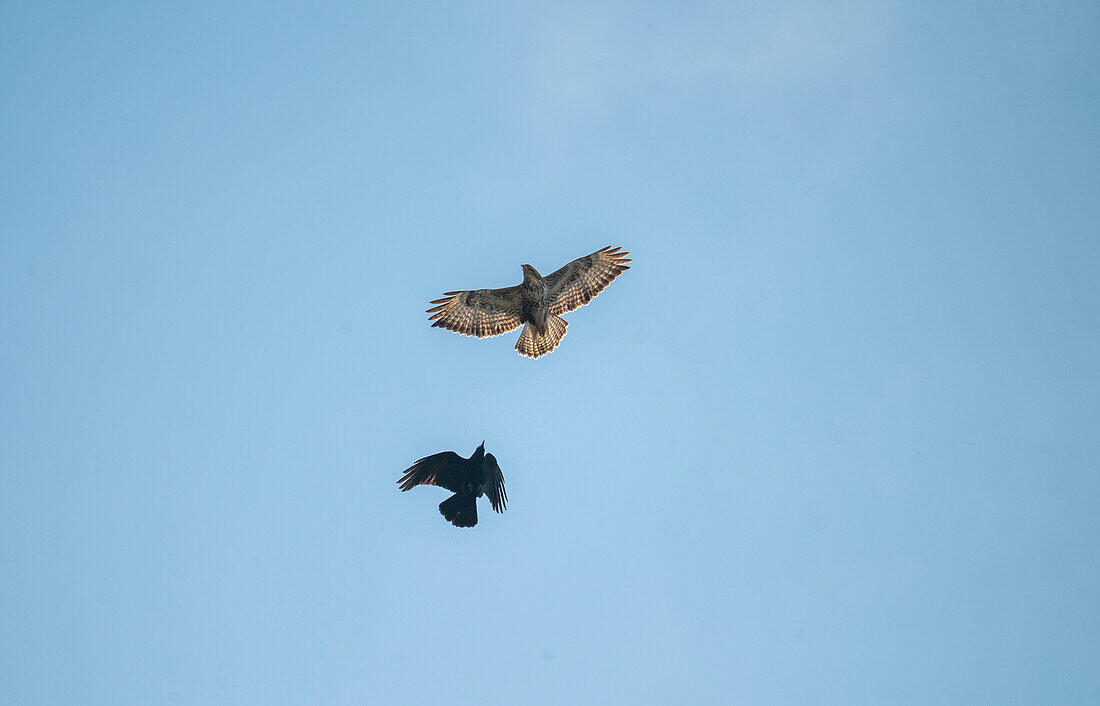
467 478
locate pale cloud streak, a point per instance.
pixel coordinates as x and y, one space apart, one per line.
585 56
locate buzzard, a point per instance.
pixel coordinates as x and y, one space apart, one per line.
537 303
467 478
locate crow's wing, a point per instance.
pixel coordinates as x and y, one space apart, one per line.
578 282
441 469
494 484
478 312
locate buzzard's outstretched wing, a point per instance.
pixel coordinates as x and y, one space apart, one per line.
494 484
578 282
478 312
438 469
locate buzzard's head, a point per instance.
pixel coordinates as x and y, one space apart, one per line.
530 272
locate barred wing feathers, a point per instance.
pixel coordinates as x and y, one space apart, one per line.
581 280
478 312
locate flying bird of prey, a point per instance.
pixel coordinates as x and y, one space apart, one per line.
467 478
538 302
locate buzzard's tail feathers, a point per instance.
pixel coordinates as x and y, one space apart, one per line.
460 510
533 343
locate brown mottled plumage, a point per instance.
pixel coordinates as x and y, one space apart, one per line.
537 303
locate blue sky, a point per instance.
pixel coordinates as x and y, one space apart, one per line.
832 439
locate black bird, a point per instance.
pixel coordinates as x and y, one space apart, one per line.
467 478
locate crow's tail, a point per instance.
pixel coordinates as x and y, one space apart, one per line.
460 510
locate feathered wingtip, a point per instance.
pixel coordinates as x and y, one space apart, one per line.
408 480
617 256
442 302
440 310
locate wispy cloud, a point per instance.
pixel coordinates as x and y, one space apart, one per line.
588 55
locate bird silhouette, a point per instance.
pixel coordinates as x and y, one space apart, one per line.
467 478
